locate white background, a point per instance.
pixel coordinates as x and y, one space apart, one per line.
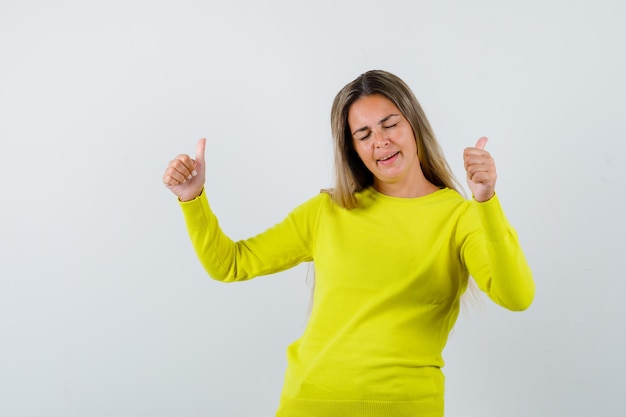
104 310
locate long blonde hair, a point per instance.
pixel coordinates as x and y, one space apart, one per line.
351 175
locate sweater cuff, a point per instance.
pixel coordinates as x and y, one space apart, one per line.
196 211
493 219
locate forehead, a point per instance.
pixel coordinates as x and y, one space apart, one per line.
369 110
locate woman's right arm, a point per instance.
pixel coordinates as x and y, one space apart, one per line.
280 247
283 246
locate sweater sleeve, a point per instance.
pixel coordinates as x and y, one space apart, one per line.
280 247
494 258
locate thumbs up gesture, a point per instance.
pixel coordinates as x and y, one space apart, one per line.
481 171
185 176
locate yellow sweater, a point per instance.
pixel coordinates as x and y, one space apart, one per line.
389 276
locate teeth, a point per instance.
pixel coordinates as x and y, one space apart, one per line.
387 157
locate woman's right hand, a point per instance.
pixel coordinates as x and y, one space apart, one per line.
185 176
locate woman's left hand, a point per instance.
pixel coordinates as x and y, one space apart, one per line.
481 171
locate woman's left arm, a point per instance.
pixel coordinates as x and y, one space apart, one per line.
491 249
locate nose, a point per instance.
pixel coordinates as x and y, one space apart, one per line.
380 137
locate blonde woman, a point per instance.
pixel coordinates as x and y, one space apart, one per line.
393 244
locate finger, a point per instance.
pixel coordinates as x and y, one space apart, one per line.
472 170
182 166
477 160
200 146
173 176
185 165
182 163
474 176
198 163
482 142
481 177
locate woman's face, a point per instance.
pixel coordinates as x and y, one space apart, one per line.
385 142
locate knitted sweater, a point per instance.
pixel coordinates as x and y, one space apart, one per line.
388 279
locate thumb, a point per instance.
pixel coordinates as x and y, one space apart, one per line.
482 142
200 150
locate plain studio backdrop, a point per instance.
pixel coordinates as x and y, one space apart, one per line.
104 309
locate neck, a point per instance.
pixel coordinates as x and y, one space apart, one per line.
415 189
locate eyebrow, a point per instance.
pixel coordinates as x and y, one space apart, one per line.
383 120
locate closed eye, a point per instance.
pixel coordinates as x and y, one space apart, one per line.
364 137
390 126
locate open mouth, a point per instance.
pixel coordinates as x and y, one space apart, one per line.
388 157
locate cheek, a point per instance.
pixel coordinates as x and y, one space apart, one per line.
358 148
362 151
410 142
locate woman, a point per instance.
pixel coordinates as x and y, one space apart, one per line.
393 246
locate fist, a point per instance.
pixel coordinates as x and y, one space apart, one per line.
481 171
185 176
